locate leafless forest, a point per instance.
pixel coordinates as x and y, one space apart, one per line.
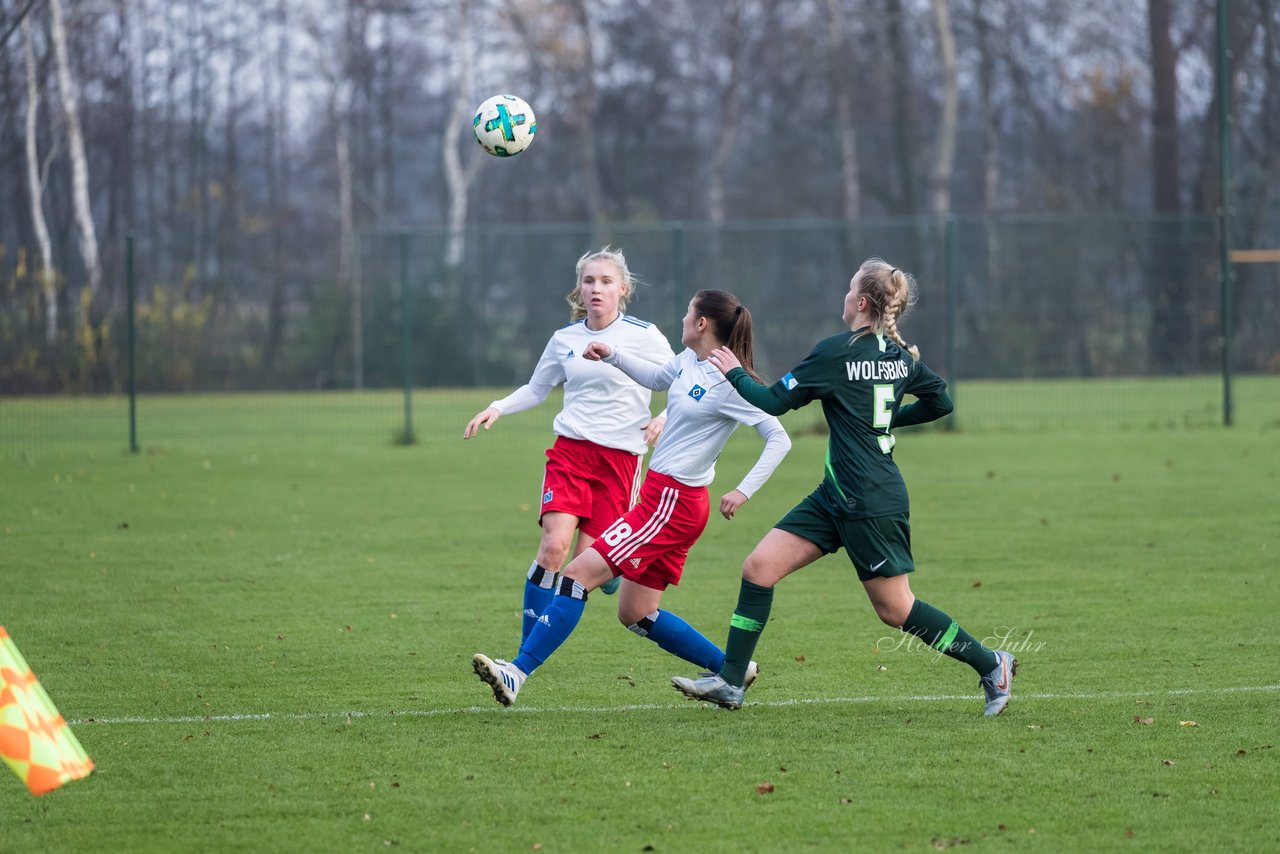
262 152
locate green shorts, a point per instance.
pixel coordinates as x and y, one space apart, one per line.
878 547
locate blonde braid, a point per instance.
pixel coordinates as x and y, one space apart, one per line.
891 293
898 305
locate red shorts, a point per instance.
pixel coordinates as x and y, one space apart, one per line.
649 544
594 483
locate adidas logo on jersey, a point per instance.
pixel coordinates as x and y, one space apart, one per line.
635 563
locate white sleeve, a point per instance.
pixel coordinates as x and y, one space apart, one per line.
547 374
776 445
661 353
645 373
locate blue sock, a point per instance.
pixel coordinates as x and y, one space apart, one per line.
538 590
679 638
554 626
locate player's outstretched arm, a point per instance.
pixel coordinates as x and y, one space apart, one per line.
483 419
645 373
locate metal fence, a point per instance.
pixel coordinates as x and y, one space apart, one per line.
1012 298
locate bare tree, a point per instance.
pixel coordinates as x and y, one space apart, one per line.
990 110
727 126
839 60
587 102
348 250
458 177
75 145
35 185
333 55
1165 181
945 150
904 132
275 53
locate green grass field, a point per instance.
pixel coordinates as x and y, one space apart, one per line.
261 629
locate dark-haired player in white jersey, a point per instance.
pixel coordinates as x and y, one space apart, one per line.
861 504
647 546
593 470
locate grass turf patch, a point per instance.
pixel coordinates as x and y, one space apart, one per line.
273 636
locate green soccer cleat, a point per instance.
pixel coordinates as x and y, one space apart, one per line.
610 587
998 684
503 677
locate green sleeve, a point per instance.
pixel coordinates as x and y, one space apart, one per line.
763 397
923 410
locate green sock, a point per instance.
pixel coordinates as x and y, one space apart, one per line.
748 622
945 635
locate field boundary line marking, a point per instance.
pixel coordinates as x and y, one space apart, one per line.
644 707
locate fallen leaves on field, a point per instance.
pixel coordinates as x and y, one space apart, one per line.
1141 720
764 788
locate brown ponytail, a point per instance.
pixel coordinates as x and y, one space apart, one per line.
731 322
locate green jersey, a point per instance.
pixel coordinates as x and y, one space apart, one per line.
861 382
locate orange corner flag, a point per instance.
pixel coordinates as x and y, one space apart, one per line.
34 739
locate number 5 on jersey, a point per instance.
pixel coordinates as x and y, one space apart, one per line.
882 416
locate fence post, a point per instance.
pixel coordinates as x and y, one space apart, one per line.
406 339
1224 205
130 309
952 280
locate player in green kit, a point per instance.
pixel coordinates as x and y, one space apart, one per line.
861 504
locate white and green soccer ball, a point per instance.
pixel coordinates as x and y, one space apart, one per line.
504 125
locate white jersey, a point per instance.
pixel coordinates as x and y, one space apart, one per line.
601 404
703 410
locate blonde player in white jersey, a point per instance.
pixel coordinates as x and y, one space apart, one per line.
593 469
647 545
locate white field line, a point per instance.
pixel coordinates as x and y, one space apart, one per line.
647 707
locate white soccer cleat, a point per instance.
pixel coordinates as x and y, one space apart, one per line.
998 684
710 689
753 670
502 676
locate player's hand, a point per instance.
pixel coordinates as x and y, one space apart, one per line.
653 429
596 351
724 360
483 419
730 503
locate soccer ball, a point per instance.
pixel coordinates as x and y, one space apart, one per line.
504 125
